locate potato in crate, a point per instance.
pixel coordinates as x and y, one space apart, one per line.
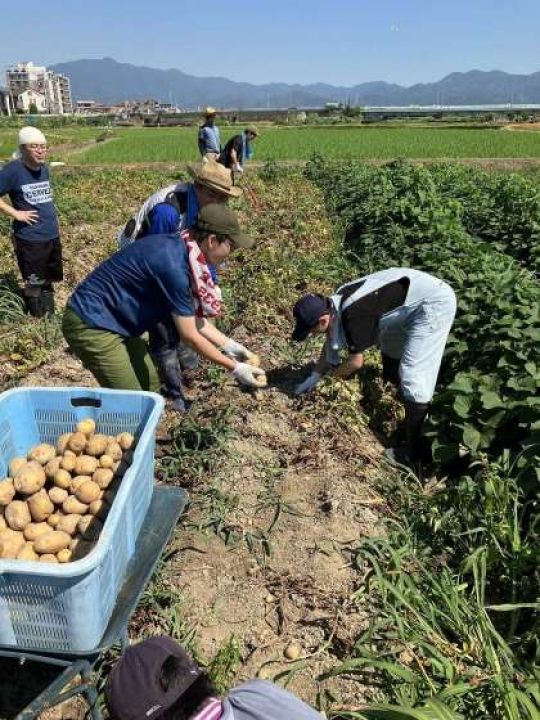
76 480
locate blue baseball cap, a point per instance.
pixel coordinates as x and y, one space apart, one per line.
307 312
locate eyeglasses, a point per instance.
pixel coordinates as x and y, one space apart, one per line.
37 146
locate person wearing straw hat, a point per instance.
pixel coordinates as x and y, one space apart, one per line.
156 679
209 140
35 223
239 149
174 209
156 277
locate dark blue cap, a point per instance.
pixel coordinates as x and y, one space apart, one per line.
307 312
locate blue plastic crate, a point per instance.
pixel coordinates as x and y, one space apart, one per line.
67 607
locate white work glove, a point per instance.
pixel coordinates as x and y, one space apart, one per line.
309 383
238 168
248 375
237 351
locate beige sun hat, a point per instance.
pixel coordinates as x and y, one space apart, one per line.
209 111
215 176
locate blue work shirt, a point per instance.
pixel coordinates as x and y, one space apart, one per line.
137 287
209 139
164 219
30 190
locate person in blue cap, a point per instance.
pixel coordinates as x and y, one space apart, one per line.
408 314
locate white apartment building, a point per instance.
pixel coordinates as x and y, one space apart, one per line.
49 91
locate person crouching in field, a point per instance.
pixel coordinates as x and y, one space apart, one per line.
408 314
239 149
141 285
35 224
157 679
174 209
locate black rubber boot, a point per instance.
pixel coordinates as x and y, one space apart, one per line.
170 373
47 301
415 414
390 369
33 300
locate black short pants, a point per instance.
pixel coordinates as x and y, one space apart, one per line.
39 261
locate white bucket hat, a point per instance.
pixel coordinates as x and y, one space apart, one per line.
29 135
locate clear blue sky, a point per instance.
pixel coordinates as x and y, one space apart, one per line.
342 42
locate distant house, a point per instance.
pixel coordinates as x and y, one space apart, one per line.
32 100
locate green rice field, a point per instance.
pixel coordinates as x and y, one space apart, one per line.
144 145
175 145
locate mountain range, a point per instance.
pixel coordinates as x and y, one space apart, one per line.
109 81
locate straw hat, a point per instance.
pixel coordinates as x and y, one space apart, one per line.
209 111
215 176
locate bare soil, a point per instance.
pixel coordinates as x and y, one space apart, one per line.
300 493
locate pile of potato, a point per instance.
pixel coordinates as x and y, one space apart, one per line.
54 502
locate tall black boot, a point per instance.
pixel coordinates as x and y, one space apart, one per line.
33 300
390 369
415 414
47 300
170 373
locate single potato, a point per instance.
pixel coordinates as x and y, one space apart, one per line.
96 445
28 552
85 465
7 491
69 523
11 544
58 495
15 465
125 440
72 505
103 477
62 479
87 492
52 467
62 443
40 506
17 515
77 442
64 555
87 426
51 542
48 557
29 479
42 453
34 530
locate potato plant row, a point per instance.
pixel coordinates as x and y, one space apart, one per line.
55 500
488 396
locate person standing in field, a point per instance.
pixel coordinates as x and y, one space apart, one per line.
35 223
157 679
174 209
208 139
239 149
408 314
137 287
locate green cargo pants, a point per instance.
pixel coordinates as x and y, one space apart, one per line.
121 363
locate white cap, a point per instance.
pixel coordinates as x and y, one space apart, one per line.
29 135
